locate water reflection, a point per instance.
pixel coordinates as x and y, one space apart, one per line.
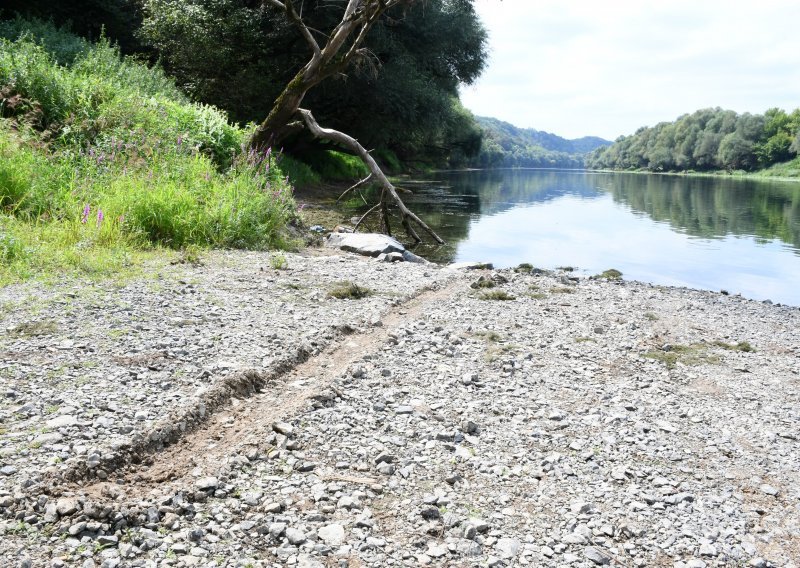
714 233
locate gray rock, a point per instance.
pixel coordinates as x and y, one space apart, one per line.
295 536
597 556
508 547
207 483
332 535
367 244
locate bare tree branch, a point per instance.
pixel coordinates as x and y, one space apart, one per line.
354 186
288 7
388 190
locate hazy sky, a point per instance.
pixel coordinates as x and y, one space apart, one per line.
605 68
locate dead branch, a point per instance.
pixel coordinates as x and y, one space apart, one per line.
388 191
354 187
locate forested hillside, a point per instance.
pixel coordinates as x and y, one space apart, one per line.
506 145
707 140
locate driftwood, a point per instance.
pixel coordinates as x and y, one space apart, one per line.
388 191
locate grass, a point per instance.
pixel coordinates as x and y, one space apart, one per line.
743 346
103 160
690 355
34 329
500 295
483 282
562 290
524 268
610 274
348 290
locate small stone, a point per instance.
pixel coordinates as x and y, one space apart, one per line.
508 547
332 535
283 428
295 536
597 556
769 490
8 470
404 410
708 550
67 506
207 483
436 551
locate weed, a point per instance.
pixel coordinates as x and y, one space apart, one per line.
562 290
497 295
348 290
566 268
685 354
483 282
610 274
190 254
650 316
583 339
743 346
524 268
278 261
34 329
491 336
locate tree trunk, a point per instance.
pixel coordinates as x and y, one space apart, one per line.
287 117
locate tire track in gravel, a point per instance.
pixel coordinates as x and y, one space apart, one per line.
243 424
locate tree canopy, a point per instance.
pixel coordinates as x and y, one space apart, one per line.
401 94
708 139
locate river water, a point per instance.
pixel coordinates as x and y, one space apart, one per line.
713 233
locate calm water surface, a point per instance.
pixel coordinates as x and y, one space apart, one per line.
713 233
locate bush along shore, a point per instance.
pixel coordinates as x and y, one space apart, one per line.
102 158
242 411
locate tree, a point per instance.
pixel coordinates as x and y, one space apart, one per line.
424 67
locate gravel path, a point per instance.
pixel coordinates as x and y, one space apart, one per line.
236 415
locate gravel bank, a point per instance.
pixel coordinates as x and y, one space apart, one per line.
236 415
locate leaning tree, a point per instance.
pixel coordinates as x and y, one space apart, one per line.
332 54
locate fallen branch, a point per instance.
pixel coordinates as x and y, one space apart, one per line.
388 190
355 186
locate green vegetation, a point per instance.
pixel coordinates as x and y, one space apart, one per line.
496 295
610 274
562 290
483 282
743 346
709 140
505 145
102 158
690 355
34 329
348 290
401 96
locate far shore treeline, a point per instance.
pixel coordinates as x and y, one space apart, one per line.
710 139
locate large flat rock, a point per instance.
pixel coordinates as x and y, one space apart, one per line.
368 244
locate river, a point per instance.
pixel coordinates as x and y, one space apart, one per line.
714 233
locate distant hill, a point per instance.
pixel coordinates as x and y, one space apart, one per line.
506 145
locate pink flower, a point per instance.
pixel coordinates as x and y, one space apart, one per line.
85 215
100 217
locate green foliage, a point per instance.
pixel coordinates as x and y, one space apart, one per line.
743 346
610 274
115 160
348 290
709 139
403 96
501 295
505 145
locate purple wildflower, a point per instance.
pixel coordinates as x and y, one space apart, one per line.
100 217
85 214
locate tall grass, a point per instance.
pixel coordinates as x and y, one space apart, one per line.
104 154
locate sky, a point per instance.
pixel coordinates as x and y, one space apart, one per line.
605 68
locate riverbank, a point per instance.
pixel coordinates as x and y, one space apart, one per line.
236 413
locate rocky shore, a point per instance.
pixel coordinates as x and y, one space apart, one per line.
342 411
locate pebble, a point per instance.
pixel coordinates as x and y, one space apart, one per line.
477 433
